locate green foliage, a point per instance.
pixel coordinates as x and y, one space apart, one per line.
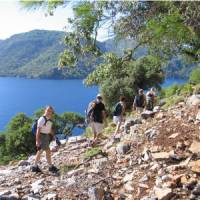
173 100
89 153
88 133
186 89
123 76
196 89
17 141
195 76
172 90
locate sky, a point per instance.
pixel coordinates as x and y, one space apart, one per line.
14 19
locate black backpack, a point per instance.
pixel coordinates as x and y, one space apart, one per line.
117 109
139 101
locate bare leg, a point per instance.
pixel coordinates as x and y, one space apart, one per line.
38 155
117 128
48 156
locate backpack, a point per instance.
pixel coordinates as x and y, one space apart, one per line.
89 112
117 109
34 125
139 100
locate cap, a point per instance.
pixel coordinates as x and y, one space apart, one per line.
99 96
140 90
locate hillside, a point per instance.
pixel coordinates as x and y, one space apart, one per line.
154 158
35 54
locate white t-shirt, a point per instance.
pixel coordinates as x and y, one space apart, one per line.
44 128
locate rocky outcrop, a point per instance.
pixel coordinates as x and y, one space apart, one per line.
152 158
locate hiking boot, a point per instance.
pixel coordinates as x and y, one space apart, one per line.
53 169
36 169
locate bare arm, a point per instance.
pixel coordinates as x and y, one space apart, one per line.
38 137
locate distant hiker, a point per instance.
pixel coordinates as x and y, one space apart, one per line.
139 101
96 115
118 114
43 138
151 99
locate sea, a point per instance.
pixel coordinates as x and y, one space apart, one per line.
28 95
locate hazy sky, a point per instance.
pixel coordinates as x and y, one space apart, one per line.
14 19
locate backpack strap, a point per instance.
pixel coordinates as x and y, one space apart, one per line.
46 120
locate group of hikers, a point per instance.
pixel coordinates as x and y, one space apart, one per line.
95 118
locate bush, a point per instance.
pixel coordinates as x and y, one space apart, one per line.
173 100
186 89
89 153
195 76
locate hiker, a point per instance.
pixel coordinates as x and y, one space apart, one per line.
118 114
150 99
139 101
43 138
96 116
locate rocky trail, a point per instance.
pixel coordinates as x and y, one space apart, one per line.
155 158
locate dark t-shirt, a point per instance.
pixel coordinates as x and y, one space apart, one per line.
97 113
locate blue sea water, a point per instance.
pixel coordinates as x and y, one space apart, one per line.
28 95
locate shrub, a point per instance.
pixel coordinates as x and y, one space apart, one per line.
89 153
195 76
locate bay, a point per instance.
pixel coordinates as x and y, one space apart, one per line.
29 95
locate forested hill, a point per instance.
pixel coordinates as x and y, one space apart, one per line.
35 54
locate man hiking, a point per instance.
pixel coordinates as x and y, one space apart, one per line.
43 138
118 114
151 99
139 101
96 116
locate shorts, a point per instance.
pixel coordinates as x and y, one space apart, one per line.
96 127
117 119
139 109
45 141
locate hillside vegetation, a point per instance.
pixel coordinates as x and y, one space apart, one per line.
35 54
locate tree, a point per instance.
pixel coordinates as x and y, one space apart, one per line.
19 139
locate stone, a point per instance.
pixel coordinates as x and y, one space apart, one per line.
99 163
195 166
144 179
131 122
196 190
123 148
4 192
173 135
193 100
195 147
128 187
163 193
160 155
95 193
198 116
147 114
24 163
151 133
76 139
128 177
51 196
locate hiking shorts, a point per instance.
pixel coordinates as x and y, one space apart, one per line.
139 109
45 141
96 127
117 119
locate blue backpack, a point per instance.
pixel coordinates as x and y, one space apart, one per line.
34 125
